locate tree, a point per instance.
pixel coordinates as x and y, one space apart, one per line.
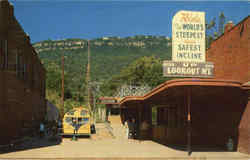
53 77
145 71
212 32
221 23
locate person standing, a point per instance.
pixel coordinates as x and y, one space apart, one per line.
59 127
130 128
41 129
74 125
133 128
126 129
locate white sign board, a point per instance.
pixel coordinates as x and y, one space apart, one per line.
188 32
188 69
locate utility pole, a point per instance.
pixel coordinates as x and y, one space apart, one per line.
62 93
88 84
88 78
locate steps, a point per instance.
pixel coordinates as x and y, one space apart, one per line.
118 129
114 119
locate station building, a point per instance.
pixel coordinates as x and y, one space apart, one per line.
219 107
112 107
22 80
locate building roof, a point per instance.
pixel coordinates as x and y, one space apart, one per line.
109 100
176 88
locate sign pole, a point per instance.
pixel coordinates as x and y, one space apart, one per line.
189 121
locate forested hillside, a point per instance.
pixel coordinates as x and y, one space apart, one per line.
109 55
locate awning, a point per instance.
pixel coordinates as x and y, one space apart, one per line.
173 90
109 100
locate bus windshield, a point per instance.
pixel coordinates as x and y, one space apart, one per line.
83 120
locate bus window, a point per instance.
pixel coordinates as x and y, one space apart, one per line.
68 120
84 112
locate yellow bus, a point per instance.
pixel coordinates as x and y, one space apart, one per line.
77 121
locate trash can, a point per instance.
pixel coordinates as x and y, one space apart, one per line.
230 144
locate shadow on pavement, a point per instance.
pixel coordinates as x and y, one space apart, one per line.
32 143
78 136
196 148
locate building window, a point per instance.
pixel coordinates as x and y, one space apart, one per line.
17 65
6 54
12 59
33 75
1 54
166 116
154 115
20 66
24 71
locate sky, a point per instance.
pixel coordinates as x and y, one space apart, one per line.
61 19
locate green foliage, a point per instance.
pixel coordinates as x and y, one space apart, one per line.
69 104
53 77
214 30
108 58
144 70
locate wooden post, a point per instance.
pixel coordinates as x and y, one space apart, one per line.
140 109
62 93
189 121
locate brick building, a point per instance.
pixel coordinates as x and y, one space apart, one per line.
230 54
218 108
22 79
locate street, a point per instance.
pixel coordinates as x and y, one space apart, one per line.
110 143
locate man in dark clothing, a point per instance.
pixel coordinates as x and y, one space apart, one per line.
133 128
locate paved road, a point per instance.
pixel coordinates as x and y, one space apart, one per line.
110 147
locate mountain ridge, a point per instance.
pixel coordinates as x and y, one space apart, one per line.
139 41
109 55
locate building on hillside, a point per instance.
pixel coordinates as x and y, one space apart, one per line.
22 80
219 106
